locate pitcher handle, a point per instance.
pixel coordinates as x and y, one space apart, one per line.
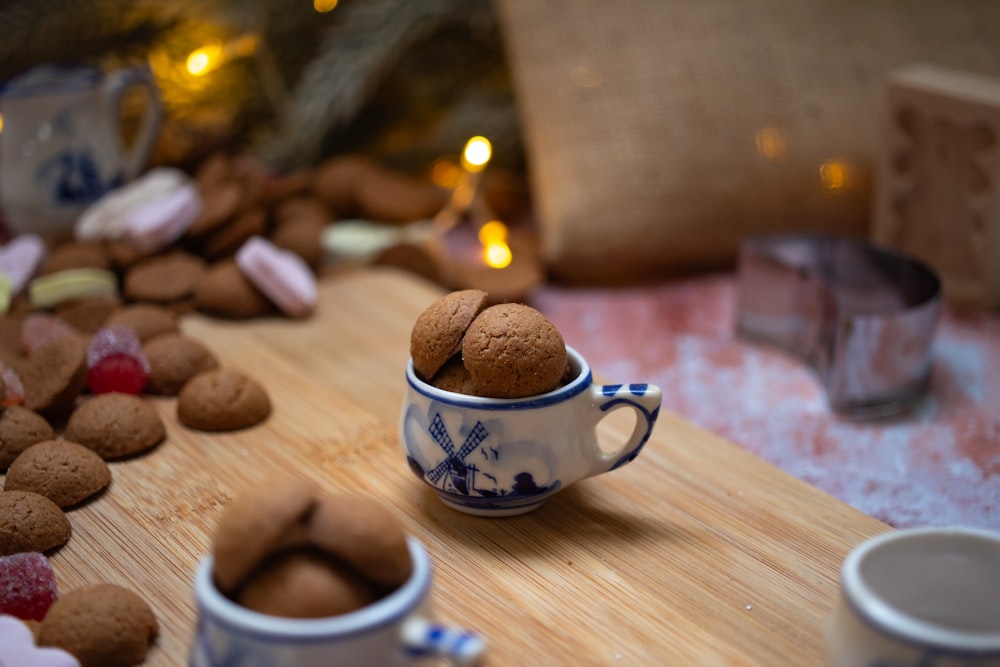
645 399
424 639
152 118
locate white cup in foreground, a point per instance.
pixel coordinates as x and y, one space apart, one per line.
925 597
392 632
507 456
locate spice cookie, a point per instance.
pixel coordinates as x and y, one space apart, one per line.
87 314
228 239
164 278
115 425
101 625
226 292
220 202
20 428
31 522
76 255
148 320
454 377
173 360
305 583
54 374
296 552
63 471
253 525
437 334
222 400
303 236
511 351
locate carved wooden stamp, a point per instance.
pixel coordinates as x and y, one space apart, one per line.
938 178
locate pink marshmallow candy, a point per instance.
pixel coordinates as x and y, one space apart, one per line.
21 258
17 647
160 221
281 275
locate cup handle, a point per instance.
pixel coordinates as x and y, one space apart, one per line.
149 127
645 399
425 639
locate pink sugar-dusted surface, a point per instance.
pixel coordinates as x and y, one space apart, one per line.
939 464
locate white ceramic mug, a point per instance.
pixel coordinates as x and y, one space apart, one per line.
501 457
395 631
61 144
922 597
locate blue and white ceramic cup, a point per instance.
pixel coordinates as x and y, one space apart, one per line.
393 632
61 148
501 457
921 597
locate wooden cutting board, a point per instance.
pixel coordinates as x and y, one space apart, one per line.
697 553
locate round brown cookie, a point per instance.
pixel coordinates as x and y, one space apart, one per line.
31 522
254 525
437 334
20 428
173 360
305 583
54 375
63 471
220 203
164 278
222 399
336 182
226 292
76 255
303 236
148 320
214 170
511 351
101 625
453 376
226 240
87 314
364 535
115 425
386 195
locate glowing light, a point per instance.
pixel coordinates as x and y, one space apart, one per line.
493 231
324 6
476 154
215 55
1 122
834 175
770 143
497 255
204 60
493 237
445 174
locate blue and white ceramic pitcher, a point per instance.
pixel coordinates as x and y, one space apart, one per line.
61 145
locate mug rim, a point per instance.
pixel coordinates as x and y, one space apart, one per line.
387 610
874 610
578 384
21 86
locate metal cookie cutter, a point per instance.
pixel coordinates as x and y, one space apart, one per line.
862 315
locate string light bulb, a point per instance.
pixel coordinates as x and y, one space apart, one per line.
324 6
477 153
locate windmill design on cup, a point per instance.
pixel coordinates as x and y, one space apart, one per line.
460 475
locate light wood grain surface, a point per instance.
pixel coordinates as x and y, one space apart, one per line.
697 553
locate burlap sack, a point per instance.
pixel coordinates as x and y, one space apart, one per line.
661 132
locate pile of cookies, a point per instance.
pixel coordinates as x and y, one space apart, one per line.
507 350
296 552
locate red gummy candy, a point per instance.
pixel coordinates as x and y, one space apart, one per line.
27 585
116 362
